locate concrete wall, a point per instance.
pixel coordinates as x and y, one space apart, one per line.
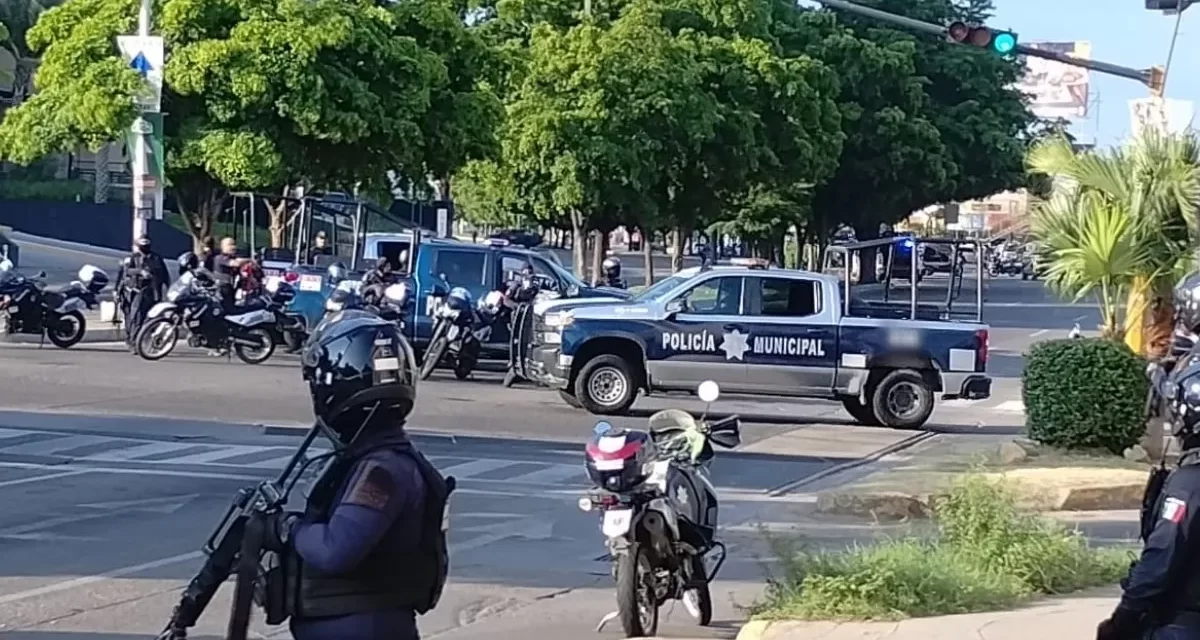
101 225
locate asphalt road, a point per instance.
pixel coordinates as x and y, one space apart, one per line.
61 260
106 513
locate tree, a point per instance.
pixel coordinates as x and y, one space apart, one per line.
325 92
925 122
16 18
1120 224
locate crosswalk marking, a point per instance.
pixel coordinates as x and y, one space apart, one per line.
274 457
219 453
1008 406
46 447
139 451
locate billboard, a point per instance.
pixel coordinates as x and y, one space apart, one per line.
1163 115
1056 90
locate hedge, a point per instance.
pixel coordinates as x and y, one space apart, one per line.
1084 393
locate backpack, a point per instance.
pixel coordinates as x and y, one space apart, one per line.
433 551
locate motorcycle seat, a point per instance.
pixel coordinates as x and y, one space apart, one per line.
254 304
64 288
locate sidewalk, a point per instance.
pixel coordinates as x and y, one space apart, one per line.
1067 618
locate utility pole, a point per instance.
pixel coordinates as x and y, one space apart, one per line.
920 26
145 55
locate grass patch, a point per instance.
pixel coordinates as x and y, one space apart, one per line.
986 555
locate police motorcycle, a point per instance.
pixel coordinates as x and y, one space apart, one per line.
658 512
193 305
289 327
525 290
454 339
1006 262
56 314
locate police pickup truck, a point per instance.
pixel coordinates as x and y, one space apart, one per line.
759 331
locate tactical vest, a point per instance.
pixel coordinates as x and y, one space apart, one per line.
384 581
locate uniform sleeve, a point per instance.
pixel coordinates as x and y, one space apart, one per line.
377 492
1158 570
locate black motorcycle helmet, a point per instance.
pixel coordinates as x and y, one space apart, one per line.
1182 392
359 368
611 267
187 262
1187 303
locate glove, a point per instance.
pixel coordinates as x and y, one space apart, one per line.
1124 624
279 530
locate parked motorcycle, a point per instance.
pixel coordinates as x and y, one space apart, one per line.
193 306
290 329
388 303
453 340
523 293
57 314
659 512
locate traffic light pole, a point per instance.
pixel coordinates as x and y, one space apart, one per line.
1141 75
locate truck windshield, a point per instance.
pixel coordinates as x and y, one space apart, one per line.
658 289
565 275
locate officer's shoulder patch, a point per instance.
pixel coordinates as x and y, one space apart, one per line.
1174 510
372 487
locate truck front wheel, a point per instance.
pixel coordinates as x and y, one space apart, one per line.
903 399
606 385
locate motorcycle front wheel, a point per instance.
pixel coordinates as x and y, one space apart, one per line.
433 355
67 330
637 603
257 353
156 339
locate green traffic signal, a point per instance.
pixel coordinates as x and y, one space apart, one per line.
1004 43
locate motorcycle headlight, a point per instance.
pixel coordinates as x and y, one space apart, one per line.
333 305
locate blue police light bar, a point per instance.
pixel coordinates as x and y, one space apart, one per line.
908 244
498 242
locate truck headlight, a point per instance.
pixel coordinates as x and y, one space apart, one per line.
560 319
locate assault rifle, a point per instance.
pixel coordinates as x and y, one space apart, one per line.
237 544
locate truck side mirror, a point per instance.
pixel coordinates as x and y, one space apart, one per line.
676 306
572 291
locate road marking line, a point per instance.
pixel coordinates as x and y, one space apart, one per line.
1015 406
13 433
48 447
132 453
51 476
99 577
552 475
474 467
211 457
1038 333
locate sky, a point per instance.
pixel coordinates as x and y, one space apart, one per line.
1121 32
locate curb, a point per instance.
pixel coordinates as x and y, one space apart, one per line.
899 505
758 629
911 441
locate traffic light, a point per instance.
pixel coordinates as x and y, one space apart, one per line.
1001 42
1167 6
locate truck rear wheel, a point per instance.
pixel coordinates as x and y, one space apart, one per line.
903 399
862 413
605 385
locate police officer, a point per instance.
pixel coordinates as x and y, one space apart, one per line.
1161 599
611 270
143 279
368 543
381 274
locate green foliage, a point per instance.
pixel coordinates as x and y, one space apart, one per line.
327 92
1085 394
986 555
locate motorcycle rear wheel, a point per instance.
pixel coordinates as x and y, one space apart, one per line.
433 355
637 603
147 340
66 330
256 355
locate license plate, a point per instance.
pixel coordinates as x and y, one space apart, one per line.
310 283
616 522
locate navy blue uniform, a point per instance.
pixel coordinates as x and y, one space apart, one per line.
1163 587
377 513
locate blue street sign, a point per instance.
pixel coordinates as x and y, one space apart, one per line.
141 65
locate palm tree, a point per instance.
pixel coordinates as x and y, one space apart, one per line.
1121 223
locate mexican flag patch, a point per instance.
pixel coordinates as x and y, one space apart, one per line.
1174 510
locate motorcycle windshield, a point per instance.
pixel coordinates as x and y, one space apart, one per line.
676 432
181 287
